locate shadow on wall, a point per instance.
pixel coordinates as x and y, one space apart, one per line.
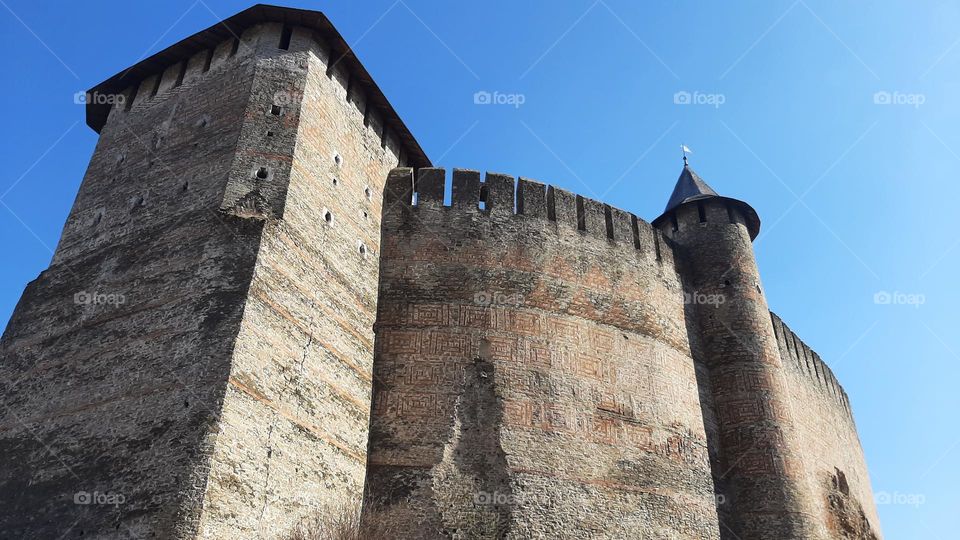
473 472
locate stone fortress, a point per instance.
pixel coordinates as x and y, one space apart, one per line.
261 306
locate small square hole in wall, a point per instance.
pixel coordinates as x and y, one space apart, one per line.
269 134
337 159
275 110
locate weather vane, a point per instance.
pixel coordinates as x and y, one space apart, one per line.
685 150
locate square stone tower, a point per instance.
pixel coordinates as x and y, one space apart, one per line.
197 359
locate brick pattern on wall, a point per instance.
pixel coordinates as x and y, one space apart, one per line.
595 400
253 315
831 444
228 392
125 395
303 362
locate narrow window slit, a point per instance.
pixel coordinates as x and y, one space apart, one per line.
581 216
234 47
285 35
133 95
208 61
551 204
181 74
608 219
702 212
636 231
331 63
483 197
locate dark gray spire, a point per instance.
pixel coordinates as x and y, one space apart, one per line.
690 187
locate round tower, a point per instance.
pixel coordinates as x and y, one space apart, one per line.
757 465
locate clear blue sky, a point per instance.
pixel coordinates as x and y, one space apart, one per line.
857 197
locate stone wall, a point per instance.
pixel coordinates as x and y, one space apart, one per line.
532 373
217 382
115 361
252 316
758 465
298 398
832 451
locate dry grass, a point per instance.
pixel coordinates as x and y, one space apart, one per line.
343 522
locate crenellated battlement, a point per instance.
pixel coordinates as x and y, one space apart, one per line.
261 31
503 197
808 362
476 354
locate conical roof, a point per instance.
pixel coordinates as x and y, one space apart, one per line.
690 187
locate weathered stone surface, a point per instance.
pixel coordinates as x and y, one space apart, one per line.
248 319
533 379
225 388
